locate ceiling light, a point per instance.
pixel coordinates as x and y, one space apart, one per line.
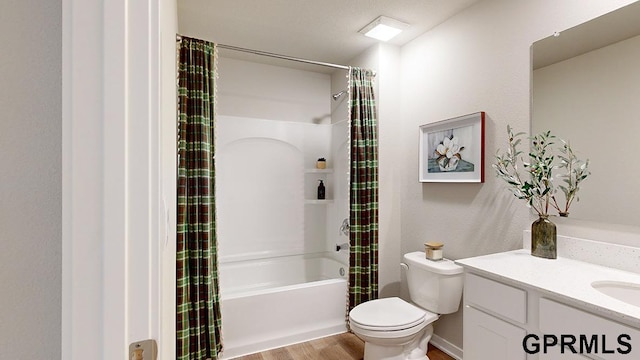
383 28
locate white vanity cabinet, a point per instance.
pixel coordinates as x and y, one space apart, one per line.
612 339
494 314
514 305
497 319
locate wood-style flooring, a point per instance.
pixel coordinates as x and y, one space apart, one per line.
345 346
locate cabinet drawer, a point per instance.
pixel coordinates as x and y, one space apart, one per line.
504 300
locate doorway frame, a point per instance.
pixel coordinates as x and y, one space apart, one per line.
118 192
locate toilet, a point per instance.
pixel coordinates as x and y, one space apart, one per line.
394 329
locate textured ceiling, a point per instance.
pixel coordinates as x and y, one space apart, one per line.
321 30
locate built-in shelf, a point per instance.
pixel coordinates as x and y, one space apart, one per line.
318 171
318 202
319 174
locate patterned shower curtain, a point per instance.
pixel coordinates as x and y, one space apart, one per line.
198 319
363 237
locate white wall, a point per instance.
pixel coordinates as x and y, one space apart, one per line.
592 101
478 60
30 181
249 89
339 108
390 174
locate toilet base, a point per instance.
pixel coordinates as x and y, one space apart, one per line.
415 348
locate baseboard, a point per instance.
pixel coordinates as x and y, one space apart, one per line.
446 347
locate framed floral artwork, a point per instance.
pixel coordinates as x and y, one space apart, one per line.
452 150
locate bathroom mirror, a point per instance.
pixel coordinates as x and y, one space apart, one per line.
586 90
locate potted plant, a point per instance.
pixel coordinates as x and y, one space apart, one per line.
534 183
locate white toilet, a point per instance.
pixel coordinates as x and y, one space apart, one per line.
394 329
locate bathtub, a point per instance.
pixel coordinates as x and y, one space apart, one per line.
275 302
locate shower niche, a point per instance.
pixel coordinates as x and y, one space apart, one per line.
312 180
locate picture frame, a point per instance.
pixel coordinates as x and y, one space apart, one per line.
452 150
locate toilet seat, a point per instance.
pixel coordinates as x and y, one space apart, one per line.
389 314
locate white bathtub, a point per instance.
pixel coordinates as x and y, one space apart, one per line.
275 302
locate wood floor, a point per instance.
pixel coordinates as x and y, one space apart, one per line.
338 347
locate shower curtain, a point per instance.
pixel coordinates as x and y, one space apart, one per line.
198 319
363 237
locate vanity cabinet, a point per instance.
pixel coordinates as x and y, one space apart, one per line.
494 314
612 340
498 317
518 306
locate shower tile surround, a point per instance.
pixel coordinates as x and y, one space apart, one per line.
269 188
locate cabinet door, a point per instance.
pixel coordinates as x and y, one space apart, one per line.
597 337
489 338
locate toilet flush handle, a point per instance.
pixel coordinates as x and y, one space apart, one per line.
404 266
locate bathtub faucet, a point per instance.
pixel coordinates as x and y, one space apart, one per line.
344 246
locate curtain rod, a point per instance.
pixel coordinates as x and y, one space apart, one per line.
284 57
279 56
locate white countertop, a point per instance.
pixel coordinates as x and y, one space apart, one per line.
566 279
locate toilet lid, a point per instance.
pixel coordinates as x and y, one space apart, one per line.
389 314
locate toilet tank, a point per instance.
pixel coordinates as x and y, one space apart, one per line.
434 285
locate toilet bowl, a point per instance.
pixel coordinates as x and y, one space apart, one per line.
394 329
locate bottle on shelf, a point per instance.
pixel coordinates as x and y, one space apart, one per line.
321 190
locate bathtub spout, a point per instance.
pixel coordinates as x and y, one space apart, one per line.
344 246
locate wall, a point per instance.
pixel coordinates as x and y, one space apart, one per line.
479 60
273 92
30 182
389 94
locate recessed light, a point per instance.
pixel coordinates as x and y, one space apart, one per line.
383 28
